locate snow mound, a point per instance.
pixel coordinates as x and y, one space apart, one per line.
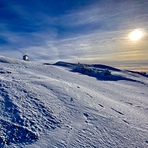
65 64
8 60
100 72
97 66
91 71
145 74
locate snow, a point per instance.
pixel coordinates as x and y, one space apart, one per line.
52 105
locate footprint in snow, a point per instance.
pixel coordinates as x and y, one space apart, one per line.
126 121
129 103
100 105
89 95
71 99
86 115
117 111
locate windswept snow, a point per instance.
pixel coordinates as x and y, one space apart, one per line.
45 105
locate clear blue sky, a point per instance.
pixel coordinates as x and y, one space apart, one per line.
92 31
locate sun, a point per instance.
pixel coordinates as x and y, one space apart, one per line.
135 35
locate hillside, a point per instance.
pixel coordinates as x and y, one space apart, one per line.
58 105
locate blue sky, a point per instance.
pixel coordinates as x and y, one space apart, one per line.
90 31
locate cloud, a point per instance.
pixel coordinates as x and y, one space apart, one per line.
93 33
111 16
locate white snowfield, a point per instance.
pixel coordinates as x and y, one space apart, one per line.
52 106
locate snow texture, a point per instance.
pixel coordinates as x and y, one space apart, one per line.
64 106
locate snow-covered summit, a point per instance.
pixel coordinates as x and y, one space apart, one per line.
57 105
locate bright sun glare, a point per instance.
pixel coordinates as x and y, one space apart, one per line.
136 35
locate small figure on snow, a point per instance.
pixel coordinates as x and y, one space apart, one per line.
26 58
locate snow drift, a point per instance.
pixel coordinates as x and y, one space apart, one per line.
61 105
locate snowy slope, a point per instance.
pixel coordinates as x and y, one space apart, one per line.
45 105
